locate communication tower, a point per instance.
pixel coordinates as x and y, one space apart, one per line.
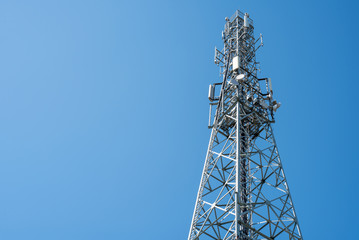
243 193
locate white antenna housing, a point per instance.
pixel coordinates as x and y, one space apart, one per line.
246 22
235 63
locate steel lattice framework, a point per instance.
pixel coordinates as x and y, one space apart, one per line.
243 192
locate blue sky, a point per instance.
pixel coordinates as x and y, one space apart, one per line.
104 110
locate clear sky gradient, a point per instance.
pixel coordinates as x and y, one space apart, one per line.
104 111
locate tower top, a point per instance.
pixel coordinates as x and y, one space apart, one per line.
241 15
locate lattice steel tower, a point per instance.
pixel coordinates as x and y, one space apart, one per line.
243 192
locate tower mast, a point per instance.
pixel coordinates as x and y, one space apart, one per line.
243 192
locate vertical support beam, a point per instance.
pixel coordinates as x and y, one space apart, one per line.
238 170
242 168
